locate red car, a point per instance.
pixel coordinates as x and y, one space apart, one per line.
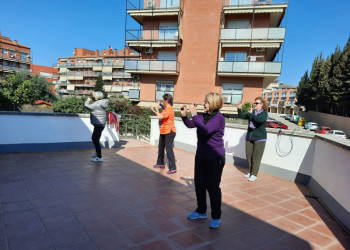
323 130
276 124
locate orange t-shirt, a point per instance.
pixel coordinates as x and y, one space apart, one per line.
167 123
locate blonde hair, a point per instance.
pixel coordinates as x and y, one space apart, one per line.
215 101
263 101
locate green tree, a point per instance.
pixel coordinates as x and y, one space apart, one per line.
323 97
303 98
99 85
70 105
40 89
15 91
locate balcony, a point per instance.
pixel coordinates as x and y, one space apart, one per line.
276 8
137 39
284 212
249 68
152 67
139 9
10 69
255 38
89 65
96 74
15 58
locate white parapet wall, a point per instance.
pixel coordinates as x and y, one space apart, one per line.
317 161
24 132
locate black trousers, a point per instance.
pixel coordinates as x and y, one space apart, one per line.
96 135
166 142
207 177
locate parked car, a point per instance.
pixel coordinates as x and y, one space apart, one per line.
338 133
311 126
276 124
323 130
270 118
288 117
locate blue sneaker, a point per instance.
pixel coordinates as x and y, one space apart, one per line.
214 223
195 215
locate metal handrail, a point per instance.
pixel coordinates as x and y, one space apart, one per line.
138 121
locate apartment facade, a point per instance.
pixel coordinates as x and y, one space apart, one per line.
190 48
282 100
78 74
13 57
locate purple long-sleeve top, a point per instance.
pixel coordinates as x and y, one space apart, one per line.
210 143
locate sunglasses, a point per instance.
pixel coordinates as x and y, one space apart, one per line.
256 103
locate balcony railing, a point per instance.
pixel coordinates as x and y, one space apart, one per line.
152 66
153 4
24 59
239 3
170 34
96 74
250 67
253 34
88 65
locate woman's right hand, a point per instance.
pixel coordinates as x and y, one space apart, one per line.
89 99
184 110
239 106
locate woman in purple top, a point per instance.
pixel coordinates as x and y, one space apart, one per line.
210 156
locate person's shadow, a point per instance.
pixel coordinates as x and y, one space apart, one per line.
189 181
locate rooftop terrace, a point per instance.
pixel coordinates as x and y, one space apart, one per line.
60 200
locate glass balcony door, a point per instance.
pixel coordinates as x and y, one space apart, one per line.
169 3
168 30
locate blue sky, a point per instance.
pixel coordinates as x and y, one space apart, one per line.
54 28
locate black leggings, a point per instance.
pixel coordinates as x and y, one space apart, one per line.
207 177
96 135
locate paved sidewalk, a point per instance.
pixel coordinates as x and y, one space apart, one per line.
60 200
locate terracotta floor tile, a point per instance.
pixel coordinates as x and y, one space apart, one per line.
157 244
141 234
301 219
186 239
315 238
287 225
174 210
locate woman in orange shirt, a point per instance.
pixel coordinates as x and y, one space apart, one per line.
167 134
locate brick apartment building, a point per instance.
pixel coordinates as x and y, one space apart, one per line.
78 74
281 99
13 57
190 48
49 73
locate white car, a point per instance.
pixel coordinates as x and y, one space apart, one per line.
311 126
337 133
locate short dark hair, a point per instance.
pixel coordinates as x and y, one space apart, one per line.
168 98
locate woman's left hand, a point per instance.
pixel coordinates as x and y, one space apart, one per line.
89 99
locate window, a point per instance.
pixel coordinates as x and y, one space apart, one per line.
235 56
23 56
238 24
232 92
167 55
13 53
5 51
164 87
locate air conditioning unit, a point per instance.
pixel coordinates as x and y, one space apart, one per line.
12 56
259 50
150 4
227 99
148 50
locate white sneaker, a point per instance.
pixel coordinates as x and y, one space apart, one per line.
94 154
252 178
247 175
97 159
